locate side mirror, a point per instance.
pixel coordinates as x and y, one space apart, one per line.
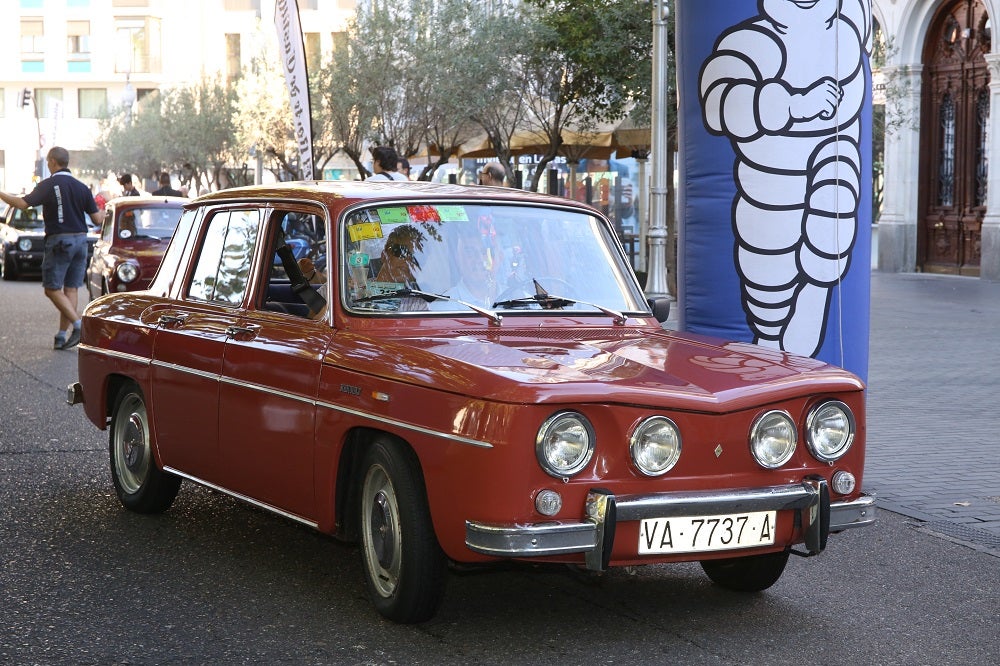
660 307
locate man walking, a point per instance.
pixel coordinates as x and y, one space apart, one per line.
65 203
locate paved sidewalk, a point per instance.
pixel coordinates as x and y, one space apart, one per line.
934 404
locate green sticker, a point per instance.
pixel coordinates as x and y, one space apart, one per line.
393 215
453 213
358 259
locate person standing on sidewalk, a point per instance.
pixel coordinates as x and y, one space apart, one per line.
66 202
385 161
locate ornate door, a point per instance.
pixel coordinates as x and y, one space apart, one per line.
954 166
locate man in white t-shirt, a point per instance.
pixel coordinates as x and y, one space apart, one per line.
385 161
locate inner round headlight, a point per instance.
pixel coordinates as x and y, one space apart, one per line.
127 272
656 446
565 444
24 244
773 439
830 430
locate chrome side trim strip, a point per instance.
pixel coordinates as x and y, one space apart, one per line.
243 498
142 360
298 398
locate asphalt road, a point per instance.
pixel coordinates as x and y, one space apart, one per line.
213 581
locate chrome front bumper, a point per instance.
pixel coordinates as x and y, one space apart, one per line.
595 535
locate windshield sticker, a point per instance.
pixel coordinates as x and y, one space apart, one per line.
364 231
452 214
358 259
396 215
423 214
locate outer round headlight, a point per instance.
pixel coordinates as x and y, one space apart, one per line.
565 444
24 244
772 439
656 446
830 430
127 272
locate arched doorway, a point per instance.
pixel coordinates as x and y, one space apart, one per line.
954 164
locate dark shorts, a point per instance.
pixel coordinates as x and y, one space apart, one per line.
65 261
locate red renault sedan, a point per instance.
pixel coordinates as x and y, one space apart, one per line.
470 375
134 236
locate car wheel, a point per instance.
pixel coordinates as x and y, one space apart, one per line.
141 486
752 573
9 269
404 567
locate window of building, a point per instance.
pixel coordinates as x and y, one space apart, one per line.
32 39
92 102
242 6
233 61
48 102
339 42
138 45
314 52
78 40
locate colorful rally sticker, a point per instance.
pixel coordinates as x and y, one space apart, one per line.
358 259
364 231
423 213
452 214
396 215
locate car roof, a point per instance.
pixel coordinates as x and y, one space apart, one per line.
363 190
146 200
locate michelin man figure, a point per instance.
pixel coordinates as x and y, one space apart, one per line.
787 88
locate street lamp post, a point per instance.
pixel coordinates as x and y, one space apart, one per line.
656 276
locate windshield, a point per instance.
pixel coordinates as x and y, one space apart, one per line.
458 257
28 219
149 223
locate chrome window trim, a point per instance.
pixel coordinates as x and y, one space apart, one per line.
296 397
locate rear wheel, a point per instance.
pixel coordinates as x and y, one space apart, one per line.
404 567
752 573
141 486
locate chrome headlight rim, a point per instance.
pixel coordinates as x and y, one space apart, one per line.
544 448
638 440
756 439
126 272
812 421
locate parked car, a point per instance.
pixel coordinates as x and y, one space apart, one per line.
476 378
22 242
133 238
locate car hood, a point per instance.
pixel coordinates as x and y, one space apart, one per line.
611 365
143 252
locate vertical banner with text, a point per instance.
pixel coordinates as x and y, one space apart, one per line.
293 61
774 134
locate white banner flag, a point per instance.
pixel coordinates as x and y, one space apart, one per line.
293 60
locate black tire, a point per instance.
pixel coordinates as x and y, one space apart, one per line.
141 485
404 567
9 270
752 573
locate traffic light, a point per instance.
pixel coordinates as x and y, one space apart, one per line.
25 97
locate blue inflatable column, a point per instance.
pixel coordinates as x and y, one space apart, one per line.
775 174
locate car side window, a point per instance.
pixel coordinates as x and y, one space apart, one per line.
225 258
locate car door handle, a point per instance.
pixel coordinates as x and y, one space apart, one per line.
249 329
172 321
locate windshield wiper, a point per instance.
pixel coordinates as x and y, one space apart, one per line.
549 302
403 293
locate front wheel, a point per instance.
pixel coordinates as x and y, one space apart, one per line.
404 567
751 573
141 485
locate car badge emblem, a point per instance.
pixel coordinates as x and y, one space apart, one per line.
718 450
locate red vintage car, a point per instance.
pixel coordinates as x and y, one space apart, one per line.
134 236
460 374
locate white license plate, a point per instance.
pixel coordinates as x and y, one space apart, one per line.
698 534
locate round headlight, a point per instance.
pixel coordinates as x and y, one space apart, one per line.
830 430
24 244
656 446
564 444
773 439
127 272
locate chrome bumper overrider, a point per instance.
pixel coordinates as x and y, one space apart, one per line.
595 535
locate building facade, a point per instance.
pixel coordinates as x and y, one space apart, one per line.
63 61
941 206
